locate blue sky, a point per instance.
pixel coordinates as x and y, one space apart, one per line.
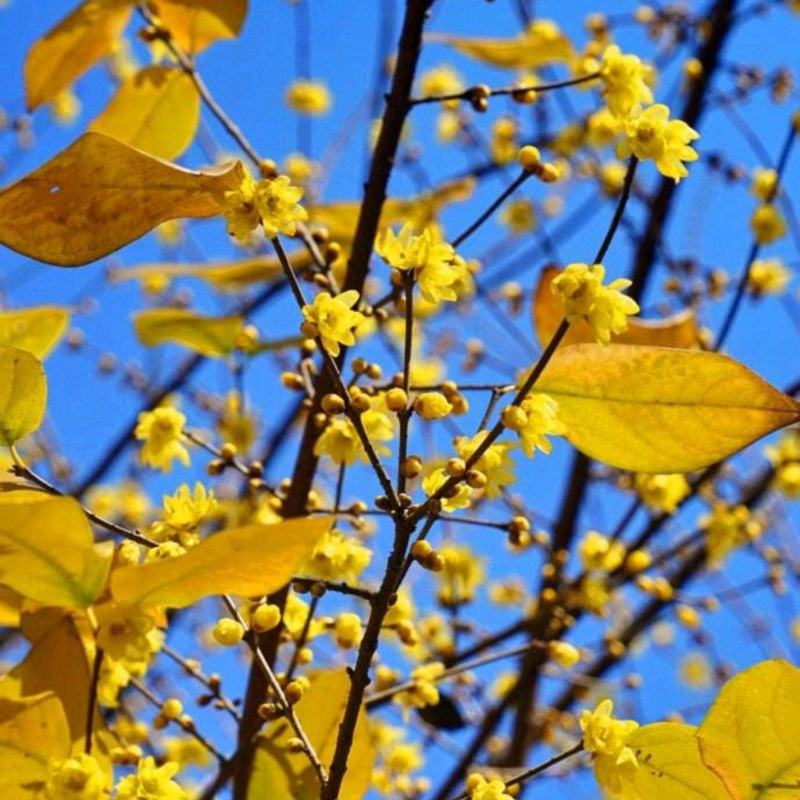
249 77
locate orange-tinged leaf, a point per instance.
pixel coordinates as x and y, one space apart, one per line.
72 47
277 772
543 43
679 330
749 737
195 24
98 195
37 330
32 731
654 409
47 550
156 110
23 394
669 767
211 336
248 561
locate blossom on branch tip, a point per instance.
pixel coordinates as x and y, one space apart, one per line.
79 777
150 782
332 318
273 203
626 82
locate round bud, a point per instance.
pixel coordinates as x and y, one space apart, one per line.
172 708
228 632
529 158
421 549
411 467
332 404
396 400
476 479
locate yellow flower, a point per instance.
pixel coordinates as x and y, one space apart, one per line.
605 736
123 631
125 502
481 788
271 202
240 211
696 672
767 224
308 97
495 463
341 443
606 309
764 183
183 513
151 783
425 691
441 80
598 552
461 497
625 82
612 177
461 576
448 126
432 405
337 557
728 527
278 204
347 630
79 777
653 135
65 107
564 654
161 430
541 421
299 168
602 128
186 752
236 424
503 145
436 265
662 492
768 276
519 217
787 480
332 318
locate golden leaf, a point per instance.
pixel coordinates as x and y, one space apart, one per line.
653 409
23 394
72 47
98 195
195 24
10 607
47 550
210 336
37 330
156 110
680 330
248 561
749 737
277 772
669 767
32 731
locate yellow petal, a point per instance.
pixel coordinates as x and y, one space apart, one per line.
669 767
73 46
98 195
195 24
23 394
47 550
679 330
248 561
749 737
210 336
32 731
652 409
37 330
279 773
156 110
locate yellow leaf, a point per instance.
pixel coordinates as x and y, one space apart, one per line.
277 772
37 330
100 194
248 561
669 767
32 731
653 409
69 634
23 394
543 43
225 275
679 330
156 110
47 550
10 607
749 737
211 336
72 47
195 24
